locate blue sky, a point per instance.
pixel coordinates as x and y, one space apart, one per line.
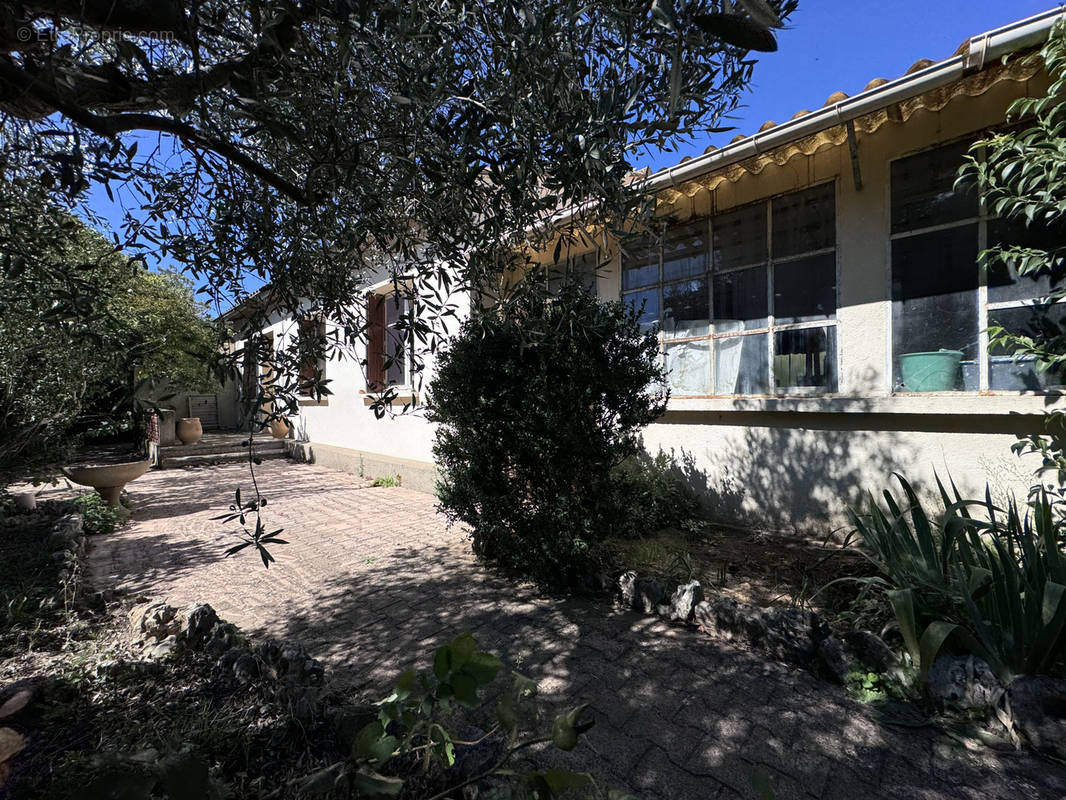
829 45
832 45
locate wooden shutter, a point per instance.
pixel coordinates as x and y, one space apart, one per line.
375 344
307 329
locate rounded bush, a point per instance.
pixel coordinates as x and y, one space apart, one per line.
538 400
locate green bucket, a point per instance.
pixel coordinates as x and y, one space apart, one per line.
930 372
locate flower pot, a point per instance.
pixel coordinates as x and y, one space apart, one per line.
936 371
108 479
279 428
189 430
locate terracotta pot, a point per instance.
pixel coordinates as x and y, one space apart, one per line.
279 428
107 479
189 430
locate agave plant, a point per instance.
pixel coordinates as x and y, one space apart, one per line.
988 579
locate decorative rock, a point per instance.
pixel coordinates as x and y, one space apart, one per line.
964 681
684 600
627 588
790 634
154 620
1037 710
834 659
200 622
246 668
649 593
872 651
163 648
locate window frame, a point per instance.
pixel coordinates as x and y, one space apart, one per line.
985 307
386 293
772 326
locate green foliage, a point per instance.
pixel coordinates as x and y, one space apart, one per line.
993 584
99 517
655 494
1020 171
84 333
386 481
865 686
311 146
409 735
537 400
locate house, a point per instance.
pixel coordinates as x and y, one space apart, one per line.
806 281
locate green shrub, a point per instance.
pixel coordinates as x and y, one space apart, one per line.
654 495
98 517
537 401
993 584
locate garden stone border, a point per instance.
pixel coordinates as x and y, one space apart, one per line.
1031 708
793 635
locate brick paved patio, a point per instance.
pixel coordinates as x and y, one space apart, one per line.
373 580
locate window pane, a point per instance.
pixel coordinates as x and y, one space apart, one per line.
396 332
923 189
1004 282
740 237
650 299
934 293
805 221
688 366
640 263
685 251
804 358
740 300
1004 372
806 290
740 365
686 309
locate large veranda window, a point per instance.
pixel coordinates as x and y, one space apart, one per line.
943 300
746 301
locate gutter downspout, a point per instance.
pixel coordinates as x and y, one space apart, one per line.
981 50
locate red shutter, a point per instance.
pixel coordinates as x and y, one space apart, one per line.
375 342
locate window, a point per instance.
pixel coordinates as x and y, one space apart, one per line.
312 336
941 298
389 320
745 302
582 267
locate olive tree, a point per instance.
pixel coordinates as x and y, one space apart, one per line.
305 146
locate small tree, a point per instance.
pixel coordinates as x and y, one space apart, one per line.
80 325
538 399
1021 172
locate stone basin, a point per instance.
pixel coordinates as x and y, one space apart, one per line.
107 478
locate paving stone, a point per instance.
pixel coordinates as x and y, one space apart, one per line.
374 580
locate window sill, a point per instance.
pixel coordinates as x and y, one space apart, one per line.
403 397
925 403
310 401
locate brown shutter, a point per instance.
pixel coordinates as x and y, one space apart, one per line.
375 342
307 358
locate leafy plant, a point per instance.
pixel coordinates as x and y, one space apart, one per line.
97 516
409 734
537 400
386 481
257 537
993 584
654 494
1019 171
